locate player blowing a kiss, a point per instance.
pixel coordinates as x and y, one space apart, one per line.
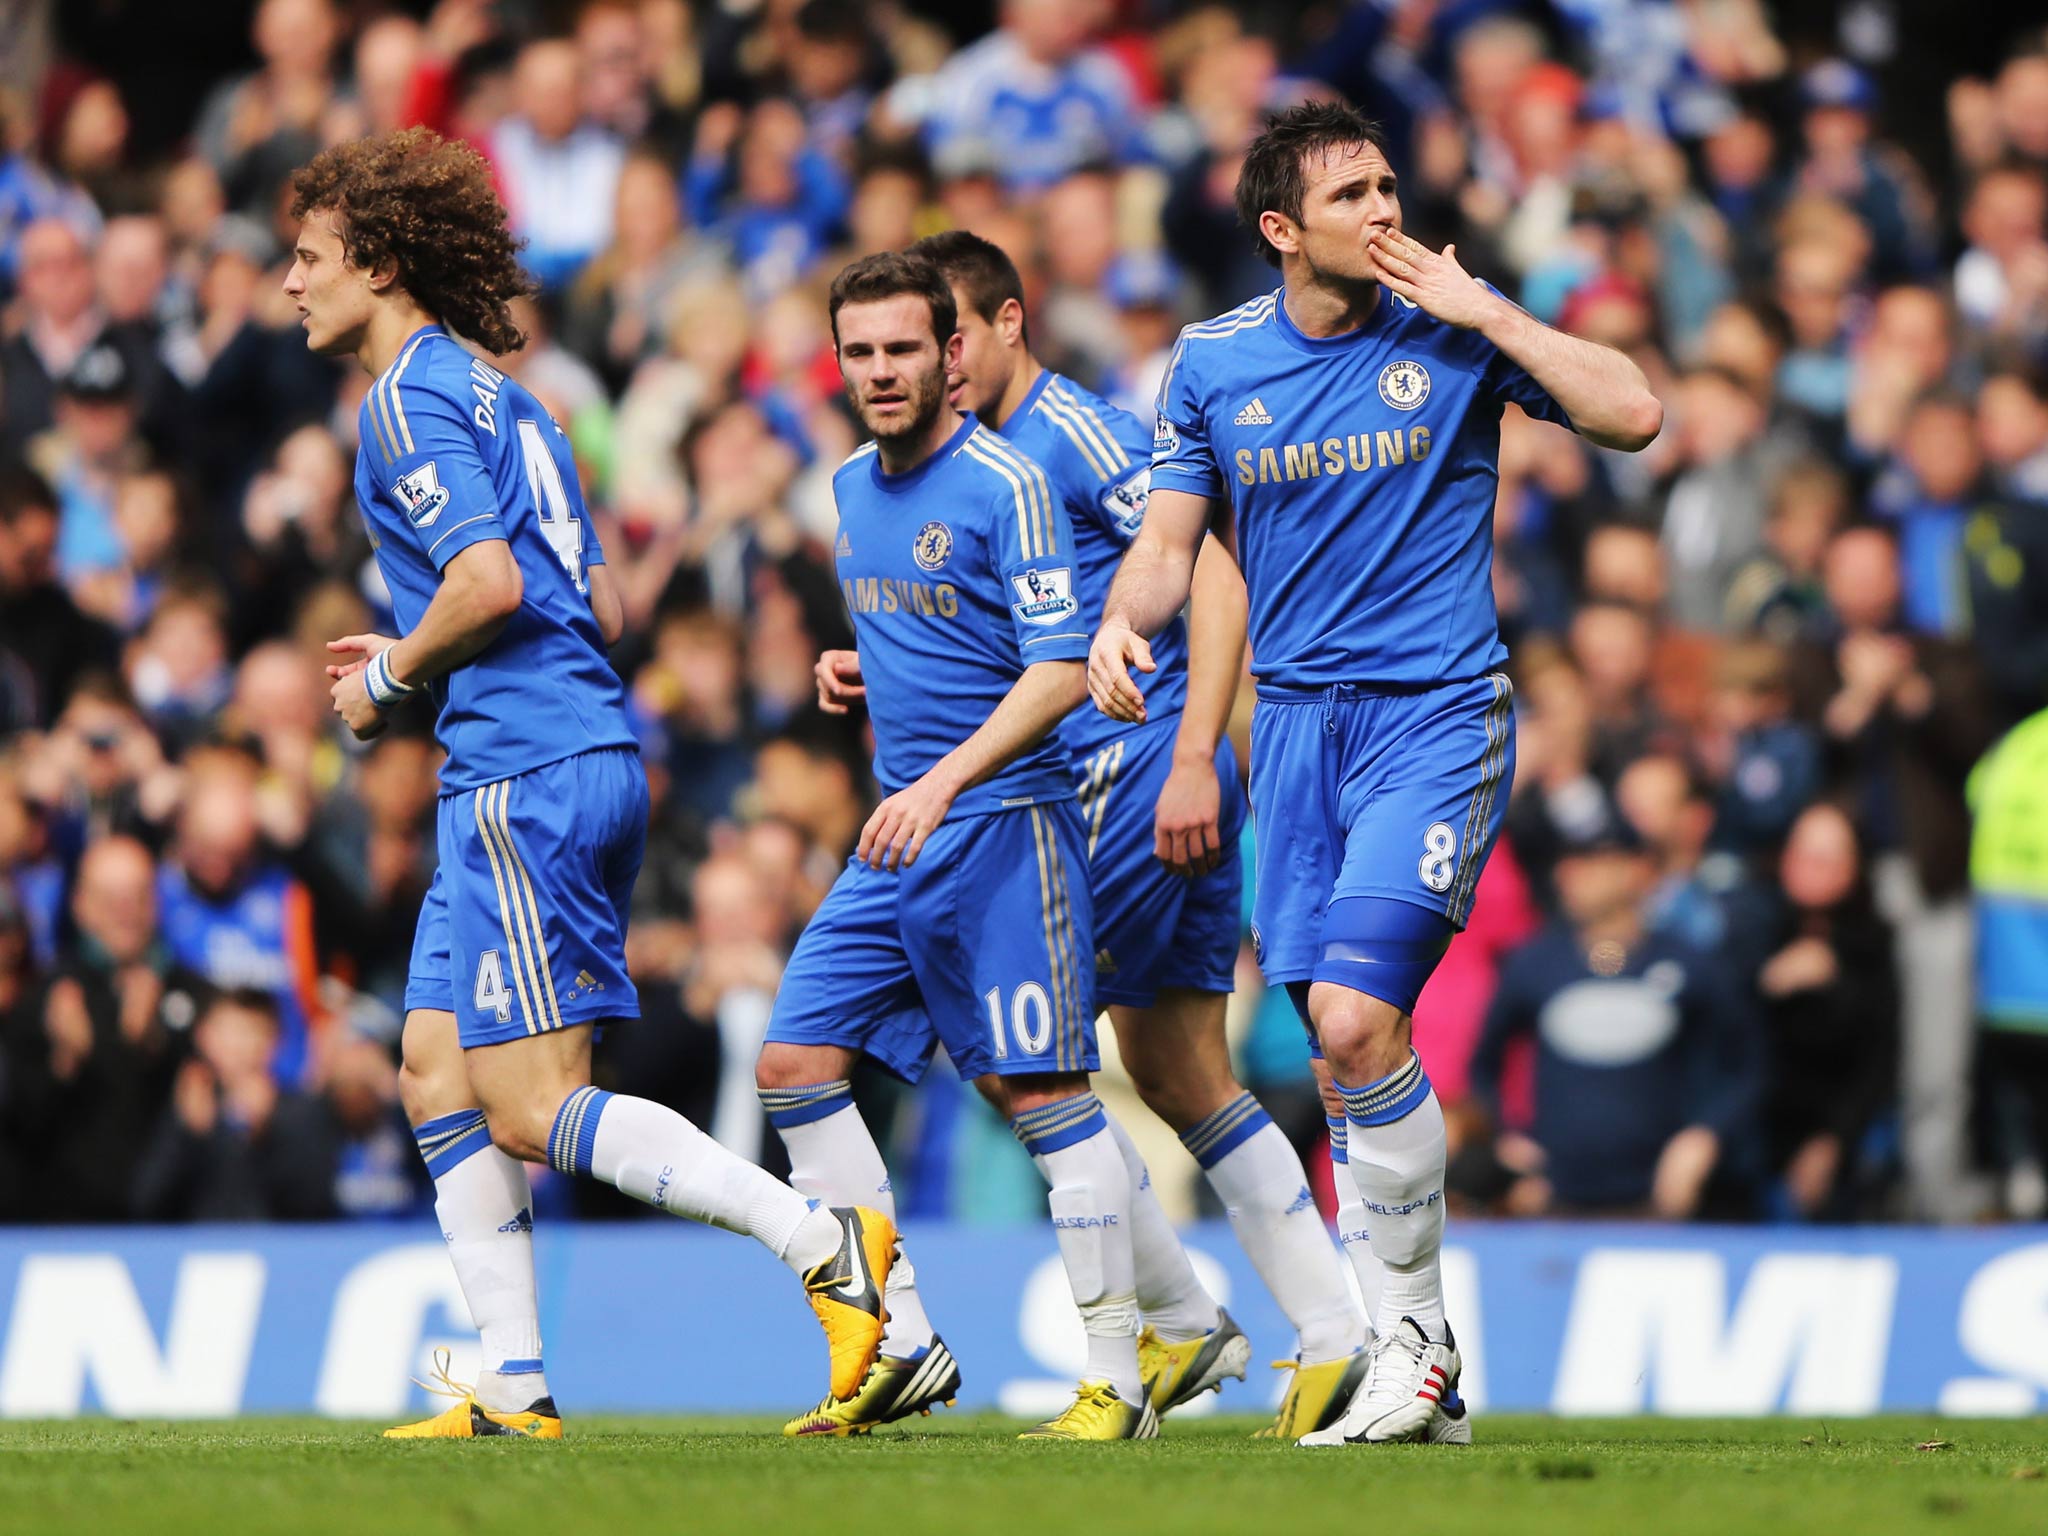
1347 426
498 583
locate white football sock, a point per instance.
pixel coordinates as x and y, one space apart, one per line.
650 1152
485 1207
1091 1208
1266 1196
1352 1235
834 1159
1396 1154
1171 1300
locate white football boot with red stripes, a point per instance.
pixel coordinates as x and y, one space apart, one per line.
1410 1394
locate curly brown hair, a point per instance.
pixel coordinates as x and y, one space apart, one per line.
428 204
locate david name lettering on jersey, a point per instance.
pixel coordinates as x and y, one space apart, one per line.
454 453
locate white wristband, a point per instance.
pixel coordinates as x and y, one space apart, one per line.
384 689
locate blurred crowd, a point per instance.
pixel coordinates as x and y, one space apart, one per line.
1767 935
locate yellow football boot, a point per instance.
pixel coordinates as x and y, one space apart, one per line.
1318 1395
846 1293
468 1419
1098 1413
895 1387
1176 1372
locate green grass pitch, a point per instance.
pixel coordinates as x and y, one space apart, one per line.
963 1476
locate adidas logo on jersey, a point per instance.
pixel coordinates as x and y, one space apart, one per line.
844 547
1255 414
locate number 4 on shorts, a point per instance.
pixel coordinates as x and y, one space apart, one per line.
490 986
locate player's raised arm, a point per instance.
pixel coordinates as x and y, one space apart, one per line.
1602 390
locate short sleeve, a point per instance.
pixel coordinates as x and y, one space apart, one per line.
1101 465
1182 459
1508 382
1033 542
436 478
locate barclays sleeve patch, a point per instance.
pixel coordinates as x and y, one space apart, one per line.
1047 597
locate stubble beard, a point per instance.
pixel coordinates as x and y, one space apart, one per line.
927 396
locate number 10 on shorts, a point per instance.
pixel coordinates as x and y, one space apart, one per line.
1030 1020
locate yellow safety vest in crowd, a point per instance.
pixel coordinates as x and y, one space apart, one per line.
2009 874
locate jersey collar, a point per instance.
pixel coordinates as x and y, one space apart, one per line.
945 450
1030 400
1317 345
405 348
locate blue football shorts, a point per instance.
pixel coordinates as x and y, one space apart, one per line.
1364 792
524 928
983 945
1154 929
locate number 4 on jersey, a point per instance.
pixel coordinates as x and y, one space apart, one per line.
551 502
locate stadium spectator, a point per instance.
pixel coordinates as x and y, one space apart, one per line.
91 1060
1033 95
233 1144
560 169
1765 764
2005 552
1905 717
2012 425
233 914
2001 281
618 306
1831 1006
1647 1070
46 642
1713 517
254 130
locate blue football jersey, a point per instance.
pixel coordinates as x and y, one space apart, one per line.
958 574
453 453
1099 461
1361 470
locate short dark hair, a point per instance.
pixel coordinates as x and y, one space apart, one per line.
23 490
832 21
888 274
980 266
1272 175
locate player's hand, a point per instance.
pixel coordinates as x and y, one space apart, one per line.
896 832
350 693
839 681
1430 279
1116 650
1185 831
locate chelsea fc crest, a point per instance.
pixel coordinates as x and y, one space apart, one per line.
933 546
1404 385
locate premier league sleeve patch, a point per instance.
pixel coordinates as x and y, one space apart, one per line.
421 493
1047 596
1165 438
1125 501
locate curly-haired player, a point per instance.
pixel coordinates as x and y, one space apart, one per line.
498 583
